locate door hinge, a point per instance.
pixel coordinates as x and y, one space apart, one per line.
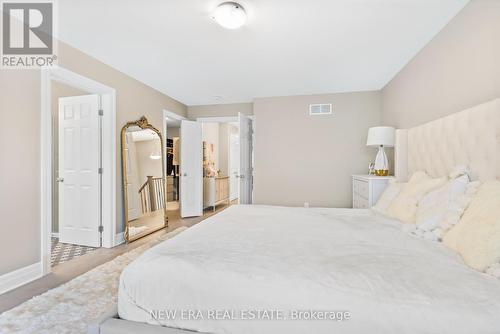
101 112
100 170
101 229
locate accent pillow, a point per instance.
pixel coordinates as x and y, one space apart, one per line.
388 196
404 206
477 236
443 201
442 208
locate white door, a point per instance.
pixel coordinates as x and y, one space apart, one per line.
79 181
132 178
191 169
234 165
246 159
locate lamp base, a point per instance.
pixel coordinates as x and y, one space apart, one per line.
381 163
381 172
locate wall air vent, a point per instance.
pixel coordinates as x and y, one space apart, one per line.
320 109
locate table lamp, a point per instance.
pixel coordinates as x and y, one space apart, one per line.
381 136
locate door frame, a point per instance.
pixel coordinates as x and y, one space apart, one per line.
169 114
108 156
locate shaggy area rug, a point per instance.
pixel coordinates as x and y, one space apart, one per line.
71 307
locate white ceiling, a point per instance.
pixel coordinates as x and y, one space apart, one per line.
287 47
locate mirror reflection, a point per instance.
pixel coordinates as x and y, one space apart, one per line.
144 179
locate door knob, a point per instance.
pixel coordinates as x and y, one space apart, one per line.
60 179
185 174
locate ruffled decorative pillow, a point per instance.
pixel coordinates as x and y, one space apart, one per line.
404 206
442 208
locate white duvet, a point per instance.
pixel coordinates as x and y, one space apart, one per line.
251 258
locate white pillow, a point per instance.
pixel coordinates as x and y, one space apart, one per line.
404 206
435 215
440 203
388 196
461 205
477 236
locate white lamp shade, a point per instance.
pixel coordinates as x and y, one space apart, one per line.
381 136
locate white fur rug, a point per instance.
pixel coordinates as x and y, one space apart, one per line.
70 307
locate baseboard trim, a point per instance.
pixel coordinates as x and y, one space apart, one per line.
16 278
119 239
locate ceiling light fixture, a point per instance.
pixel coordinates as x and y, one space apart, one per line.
230 15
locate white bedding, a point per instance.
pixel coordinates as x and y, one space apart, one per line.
275 258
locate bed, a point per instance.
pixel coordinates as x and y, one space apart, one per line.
294 259
298 263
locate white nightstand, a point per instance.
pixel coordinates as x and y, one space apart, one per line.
366 190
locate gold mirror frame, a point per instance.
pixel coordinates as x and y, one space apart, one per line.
143 124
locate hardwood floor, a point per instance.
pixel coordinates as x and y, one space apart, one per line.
71 269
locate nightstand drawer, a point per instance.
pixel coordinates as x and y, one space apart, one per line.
359 202
361 188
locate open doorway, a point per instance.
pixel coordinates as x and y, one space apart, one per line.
173 164
75 151
209 162
184 171
191 169
227 160
78 145
221 157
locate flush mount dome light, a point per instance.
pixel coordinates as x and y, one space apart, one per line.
230 15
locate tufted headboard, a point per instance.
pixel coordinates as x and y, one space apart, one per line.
470 138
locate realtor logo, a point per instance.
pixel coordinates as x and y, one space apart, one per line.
27 34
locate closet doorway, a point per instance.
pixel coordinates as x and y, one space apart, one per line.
172 141
183 170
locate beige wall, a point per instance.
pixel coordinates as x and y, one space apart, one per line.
299 158
220 110
20 124
458 69
20 177
58 90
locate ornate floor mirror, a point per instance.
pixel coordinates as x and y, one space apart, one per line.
144 185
